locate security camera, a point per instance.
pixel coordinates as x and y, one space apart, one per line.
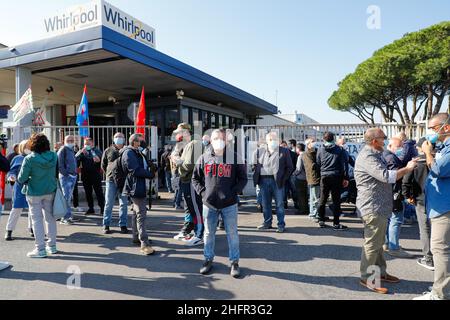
49 90
12 49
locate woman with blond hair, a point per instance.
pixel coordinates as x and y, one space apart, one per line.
19 202
38 174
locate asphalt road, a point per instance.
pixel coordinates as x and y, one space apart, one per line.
306 263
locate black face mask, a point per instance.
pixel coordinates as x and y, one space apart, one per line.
144 144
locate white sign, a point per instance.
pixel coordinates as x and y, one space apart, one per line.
97 13
23 107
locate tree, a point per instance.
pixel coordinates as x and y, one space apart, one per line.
401 80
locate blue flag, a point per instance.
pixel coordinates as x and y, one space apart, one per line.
83 115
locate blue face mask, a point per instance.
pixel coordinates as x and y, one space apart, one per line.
88 148
399 152
433 138
205 143
386 143
119 141
141 149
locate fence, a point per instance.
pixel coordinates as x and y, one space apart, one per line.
352 132
102 135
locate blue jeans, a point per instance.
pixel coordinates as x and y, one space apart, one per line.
393 231
111 193
314 197
269 190
168 177
230 218
67 185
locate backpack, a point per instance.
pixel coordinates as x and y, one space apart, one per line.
118 174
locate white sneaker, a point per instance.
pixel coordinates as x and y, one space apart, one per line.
67 222
180 236
37 254
4 265
194 241
428 296
51 250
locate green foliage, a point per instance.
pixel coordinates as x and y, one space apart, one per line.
411 69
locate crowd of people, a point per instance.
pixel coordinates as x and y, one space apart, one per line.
206 177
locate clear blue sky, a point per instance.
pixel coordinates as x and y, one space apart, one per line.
300 48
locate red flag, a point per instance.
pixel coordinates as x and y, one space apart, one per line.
140 117
2 182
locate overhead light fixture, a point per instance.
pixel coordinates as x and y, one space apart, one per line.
112 99
180 94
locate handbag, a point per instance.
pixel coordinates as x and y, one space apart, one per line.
59 203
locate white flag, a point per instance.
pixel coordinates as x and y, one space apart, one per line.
23 107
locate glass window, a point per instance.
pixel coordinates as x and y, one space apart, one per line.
196 121
171 122
226 122
185 115
205 119
214 120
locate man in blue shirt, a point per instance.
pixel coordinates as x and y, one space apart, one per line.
437 204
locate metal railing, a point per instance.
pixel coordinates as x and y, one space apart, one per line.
352 132
102 135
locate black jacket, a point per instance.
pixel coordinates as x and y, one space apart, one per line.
394 163
294 158
332 161
109 156
90 170
133 165
4 164
285 166
217 182
414 182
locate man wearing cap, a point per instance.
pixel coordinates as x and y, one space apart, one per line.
192 201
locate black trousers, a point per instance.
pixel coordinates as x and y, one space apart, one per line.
302 196
96 185
333 185
75 194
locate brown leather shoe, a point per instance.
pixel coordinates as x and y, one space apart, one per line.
377 290
148 251
390 279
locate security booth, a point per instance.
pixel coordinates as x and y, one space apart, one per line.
115 63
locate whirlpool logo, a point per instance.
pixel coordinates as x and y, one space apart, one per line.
98 13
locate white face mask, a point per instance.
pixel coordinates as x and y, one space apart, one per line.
27 151
273 145
218 145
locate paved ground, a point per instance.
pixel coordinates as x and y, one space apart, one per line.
305 263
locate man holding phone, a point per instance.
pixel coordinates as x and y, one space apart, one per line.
91 174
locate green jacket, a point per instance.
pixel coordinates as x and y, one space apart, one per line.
191 152
38 174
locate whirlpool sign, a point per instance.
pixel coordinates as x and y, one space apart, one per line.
97 13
